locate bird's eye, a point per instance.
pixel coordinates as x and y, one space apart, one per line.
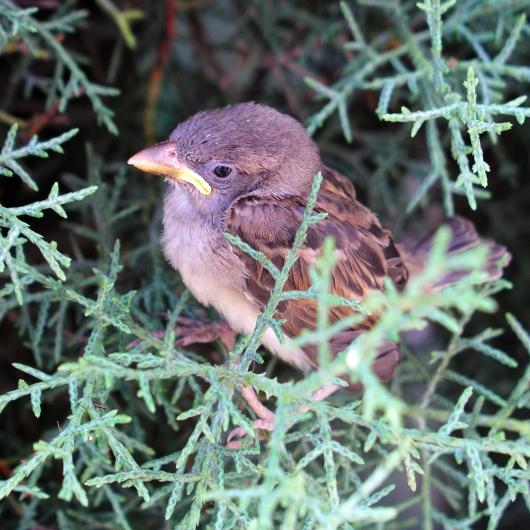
222 171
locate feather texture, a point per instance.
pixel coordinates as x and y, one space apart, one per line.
268 163
365 254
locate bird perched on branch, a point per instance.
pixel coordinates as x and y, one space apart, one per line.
247 170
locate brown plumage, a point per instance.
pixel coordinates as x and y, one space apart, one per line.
247 169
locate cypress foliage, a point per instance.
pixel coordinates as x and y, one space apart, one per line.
113 422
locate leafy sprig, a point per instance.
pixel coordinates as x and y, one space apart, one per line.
138 410
69 80
433 87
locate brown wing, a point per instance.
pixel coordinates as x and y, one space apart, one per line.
366 253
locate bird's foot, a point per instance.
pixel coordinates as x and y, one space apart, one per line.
263 425
265 421
266 417
193 331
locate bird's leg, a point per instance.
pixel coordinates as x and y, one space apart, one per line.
257 406
321 394
266 417
265 421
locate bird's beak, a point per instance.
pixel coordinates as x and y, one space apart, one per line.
161 159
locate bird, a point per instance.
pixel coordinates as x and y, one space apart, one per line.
247 170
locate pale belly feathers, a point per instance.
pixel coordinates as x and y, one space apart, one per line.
190 248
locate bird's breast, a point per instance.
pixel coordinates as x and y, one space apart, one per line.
195 246
214 274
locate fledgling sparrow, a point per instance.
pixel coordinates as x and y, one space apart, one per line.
247 170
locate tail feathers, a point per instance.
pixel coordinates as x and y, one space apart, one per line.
384 365
464 237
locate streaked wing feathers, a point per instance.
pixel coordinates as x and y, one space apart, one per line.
365 252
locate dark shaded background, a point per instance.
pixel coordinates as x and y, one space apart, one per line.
209 54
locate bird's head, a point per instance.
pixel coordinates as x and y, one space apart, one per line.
218 155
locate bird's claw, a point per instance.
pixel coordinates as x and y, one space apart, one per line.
265 425
266 417
265 421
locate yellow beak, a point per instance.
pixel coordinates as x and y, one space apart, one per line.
161 159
